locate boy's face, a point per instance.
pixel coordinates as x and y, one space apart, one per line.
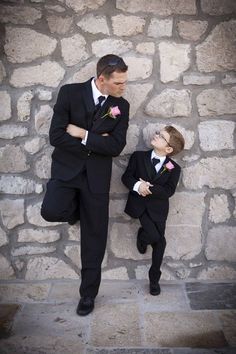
160 142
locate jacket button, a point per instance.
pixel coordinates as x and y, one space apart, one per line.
89 153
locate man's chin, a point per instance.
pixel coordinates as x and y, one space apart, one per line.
117 95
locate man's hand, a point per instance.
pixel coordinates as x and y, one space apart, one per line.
144 188
75 131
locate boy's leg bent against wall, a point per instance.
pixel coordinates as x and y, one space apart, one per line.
150 233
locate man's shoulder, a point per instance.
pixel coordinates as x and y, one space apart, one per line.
120 101
75 86
124 100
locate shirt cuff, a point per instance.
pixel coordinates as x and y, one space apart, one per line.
136 186
84 141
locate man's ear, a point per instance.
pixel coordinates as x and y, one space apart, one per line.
100 79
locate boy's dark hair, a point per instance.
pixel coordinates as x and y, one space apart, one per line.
176 140
110 63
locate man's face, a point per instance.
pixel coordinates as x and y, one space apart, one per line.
114 85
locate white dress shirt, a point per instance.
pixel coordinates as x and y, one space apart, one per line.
157 167
96 94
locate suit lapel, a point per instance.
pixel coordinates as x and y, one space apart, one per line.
159 173
102 111
148 164
89 102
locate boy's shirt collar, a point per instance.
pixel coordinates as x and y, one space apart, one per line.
161 158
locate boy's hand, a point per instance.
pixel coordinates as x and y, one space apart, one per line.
144 188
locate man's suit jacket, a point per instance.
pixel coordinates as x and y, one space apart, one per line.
164 185
75 105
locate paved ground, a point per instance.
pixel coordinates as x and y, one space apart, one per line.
187 318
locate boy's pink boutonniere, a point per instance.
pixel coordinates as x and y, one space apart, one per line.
112 112
168 167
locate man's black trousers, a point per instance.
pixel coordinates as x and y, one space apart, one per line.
65 200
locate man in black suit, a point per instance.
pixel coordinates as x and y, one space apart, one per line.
88 128
151 177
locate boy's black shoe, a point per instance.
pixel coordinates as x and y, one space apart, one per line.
85 306
155 289
141 246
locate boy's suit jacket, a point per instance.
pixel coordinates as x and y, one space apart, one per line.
164 185
75 105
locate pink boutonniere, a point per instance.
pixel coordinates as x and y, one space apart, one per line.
168 167
112 112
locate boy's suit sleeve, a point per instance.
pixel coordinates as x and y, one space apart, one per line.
168 189
128 177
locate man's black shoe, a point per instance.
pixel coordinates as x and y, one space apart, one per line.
142 247
85 306
155 289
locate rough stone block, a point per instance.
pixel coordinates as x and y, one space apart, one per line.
74 49
5 105
48 268
219 208
174 60
191 30
24 45
194 329
12 212
47 74
221 244
217 52
212 172
170 103
214 102
120 330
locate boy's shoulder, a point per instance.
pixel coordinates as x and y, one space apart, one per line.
140 153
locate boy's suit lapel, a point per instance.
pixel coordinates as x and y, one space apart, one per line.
151 171
148 164
159 173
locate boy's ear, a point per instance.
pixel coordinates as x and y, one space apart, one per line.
169 150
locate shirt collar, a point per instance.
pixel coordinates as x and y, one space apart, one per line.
96 92
161 158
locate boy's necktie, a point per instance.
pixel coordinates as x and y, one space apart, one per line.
155 161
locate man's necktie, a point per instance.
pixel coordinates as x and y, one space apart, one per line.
155 161
99 104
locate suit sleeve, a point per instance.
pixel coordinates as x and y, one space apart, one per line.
128 178
166 191
61 118
113 144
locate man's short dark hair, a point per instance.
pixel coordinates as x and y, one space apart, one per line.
109 64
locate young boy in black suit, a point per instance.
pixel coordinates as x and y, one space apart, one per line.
151 177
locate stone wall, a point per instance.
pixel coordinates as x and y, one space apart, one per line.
182 61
